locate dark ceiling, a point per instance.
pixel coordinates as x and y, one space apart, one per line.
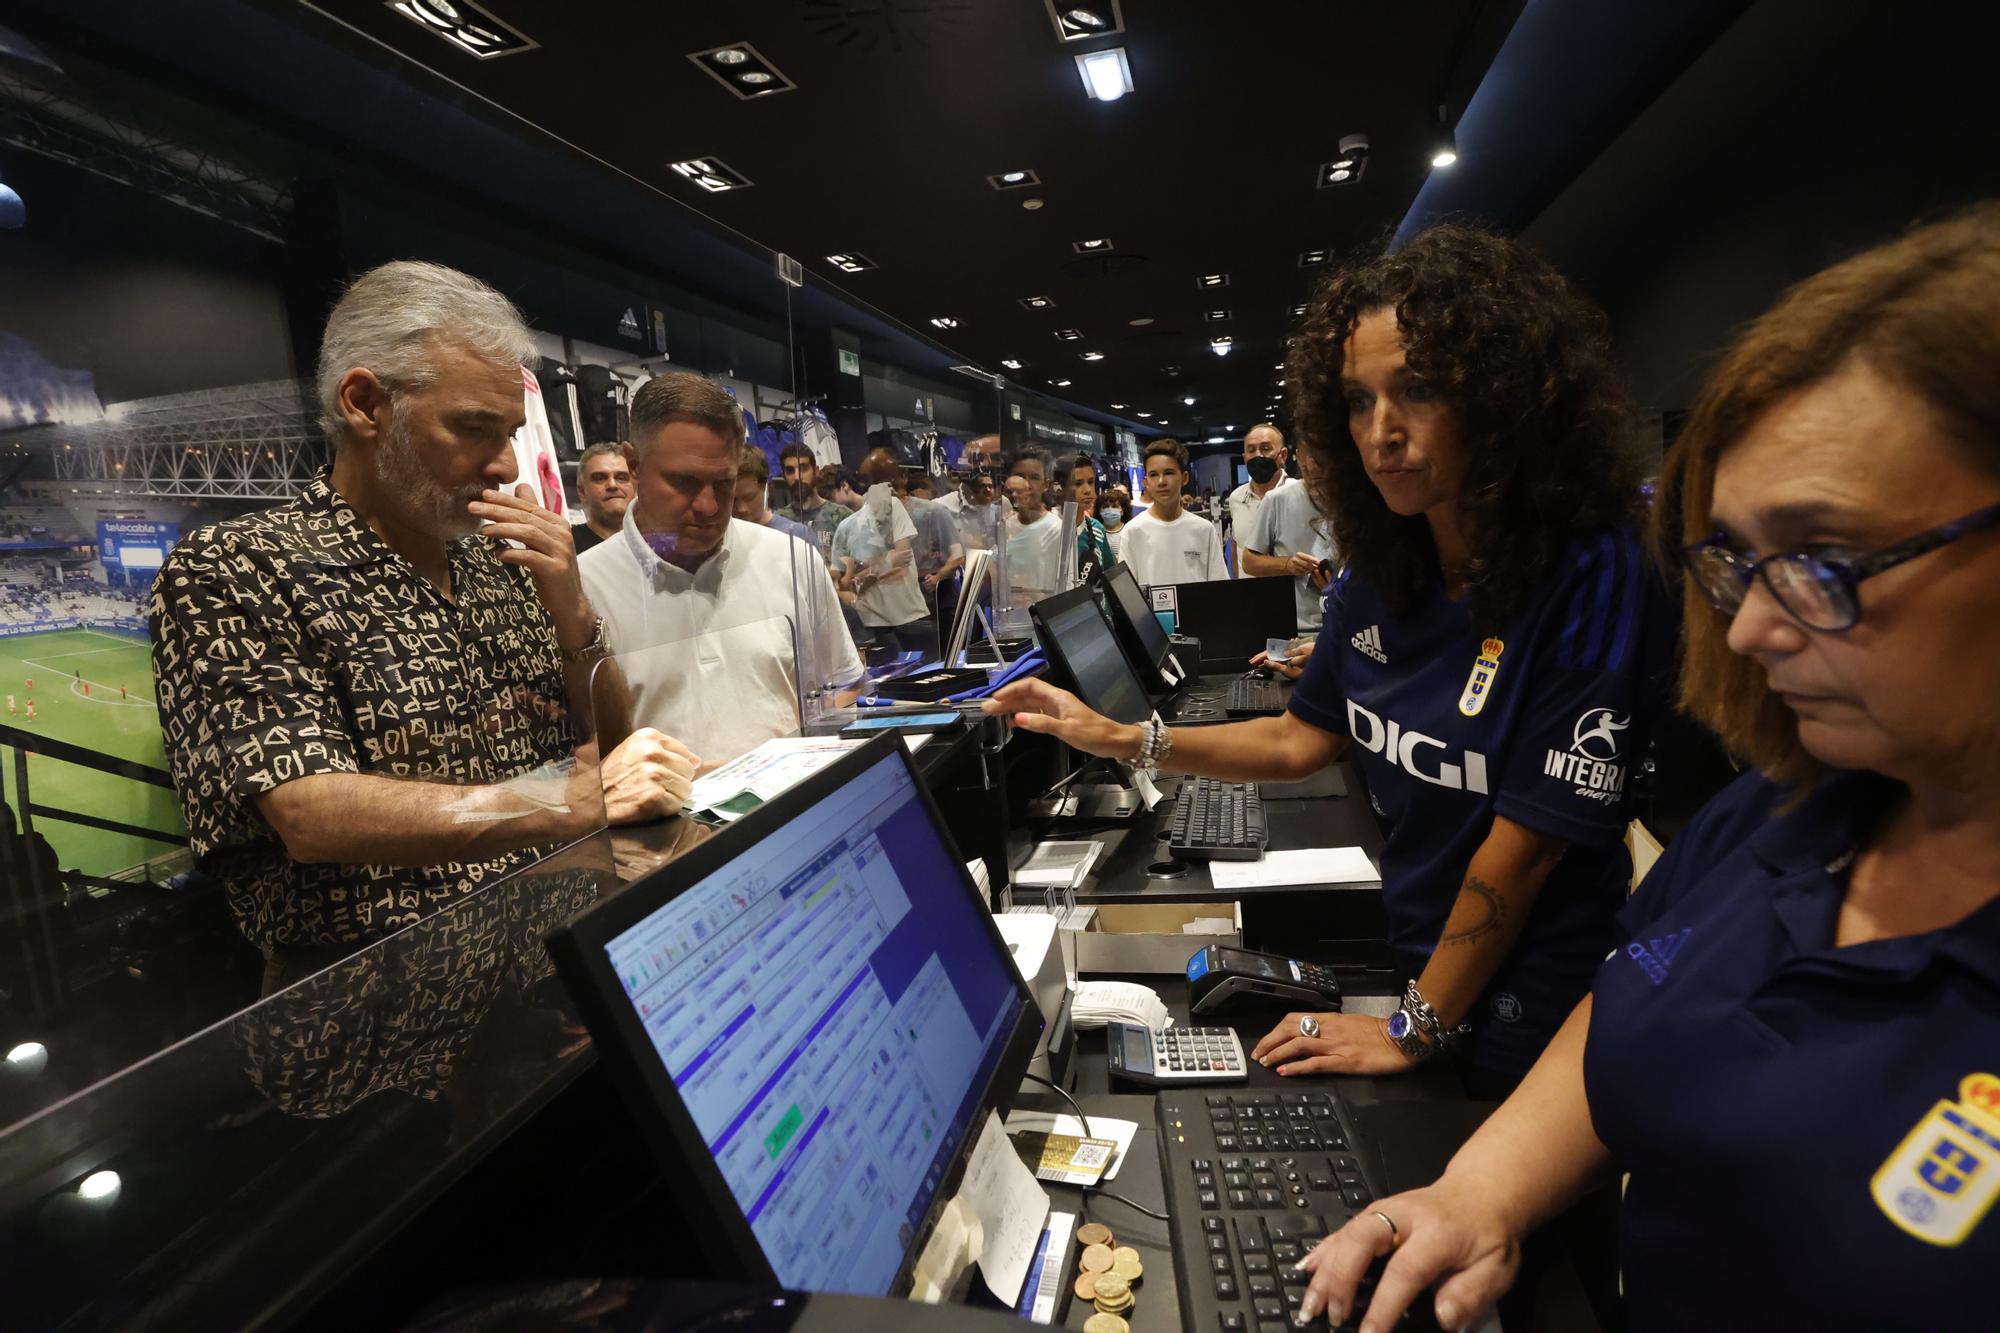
903 108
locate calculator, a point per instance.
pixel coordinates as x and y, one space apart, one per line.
1164 1057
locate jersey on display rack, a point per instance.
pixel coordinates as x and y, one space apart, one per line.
535 460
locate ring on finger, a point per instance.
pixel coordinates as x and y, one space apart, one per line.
1395 1232
1308 1026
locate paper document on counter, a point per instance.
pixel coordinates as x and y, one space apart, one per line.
750 779
1305 865
1010 1206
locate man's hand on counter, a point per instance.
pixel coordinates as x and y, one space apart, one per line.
1346 1044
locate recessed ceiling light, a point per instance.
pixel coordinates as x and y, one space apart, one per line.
1216 316
1010 363
1014 177
1077 23
944 321
484 38
1140 322
1060 384
1107 76
1444 157
851 261
1147 415
1091 247
1013 180
1212 280
1037 303
1188 400
1339 175
1093 356
1221 346
1118 407
711 174
743 70
1070 335
1031 204
1279 366
1298 310
1311 258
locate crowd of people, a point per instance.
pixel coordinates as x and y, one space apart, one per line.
1782 1038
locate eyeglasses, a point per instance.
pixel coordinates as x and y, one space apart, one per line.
1818 592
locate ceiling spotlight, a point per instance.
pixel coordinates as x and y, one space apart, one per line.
1076 23
1212 280
1070 335
1093 356
1037 303
1010 363
1013 180
1347 167
1216 316
452 20
1031 204
1140 322
100 1186
1014 177
1118 407
711 174
1188 400
1312 258
1221 346
944 321
1147 415
851 262
1092 247
1444 144
1060 384
1299 310
1106 75
743 70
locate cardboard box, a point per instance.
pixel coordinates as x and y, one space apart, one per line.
1147 937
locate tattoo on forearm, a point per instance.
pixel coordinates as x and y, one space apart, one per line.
1493 911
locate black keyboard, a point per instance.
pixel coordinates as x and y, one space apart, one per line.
1254 1180
1216 821
1252 696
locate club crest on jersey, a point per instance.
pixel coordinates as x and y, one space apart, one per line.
1480 683
1945 1174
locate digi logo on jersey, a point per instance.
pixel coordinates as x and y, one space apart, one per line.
1405 749
1590 763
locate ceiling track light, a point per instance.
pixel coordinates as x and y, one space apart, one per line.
1106 74
1444 143
711 174
1313 258
1099 246
743 70
1221 346
1080 23
1093 356
1036 303
852 261
1347 166
1010 363
466 26
944 321
1217 316
1013 180
1069 335
1207 280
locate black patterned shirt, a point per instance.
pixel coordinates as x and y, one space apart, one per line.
295 642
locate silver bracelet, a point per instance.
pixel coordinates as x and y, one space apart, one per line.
1156 742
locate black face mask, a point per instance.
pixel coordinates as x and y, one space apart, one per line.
1262 470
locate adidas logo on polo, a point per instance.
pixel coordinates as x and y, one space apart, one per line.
1656 956
1369 641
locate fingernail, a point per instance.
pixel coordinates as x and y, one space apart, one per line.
1308 1307
1448 1316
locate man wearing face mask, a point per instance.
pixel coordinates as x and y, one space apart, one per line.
698 606
1264 455
875 552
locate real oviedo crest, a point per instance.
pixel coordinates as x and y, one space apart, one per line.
1945 1173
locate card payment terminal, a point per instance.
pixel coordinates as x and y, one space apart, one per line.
1216 976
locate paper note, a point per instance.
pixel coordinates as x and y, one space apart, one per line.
1306 865
1119 1132
1010 1206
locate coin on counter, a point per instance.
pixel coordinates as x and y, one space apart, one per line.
1106 1287
1093 1233
1115 1307
1086 1286
1128 1270
1106 1323
1097 1259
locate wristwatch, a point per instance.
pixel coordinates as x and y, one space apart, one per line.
1415 1029
589 652
1409 1038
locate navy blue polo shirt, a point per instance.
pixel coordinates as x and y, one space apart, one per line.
1543 722
1813 1133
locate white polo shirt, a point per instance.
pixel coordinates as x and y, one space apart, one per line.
710 656
1244 502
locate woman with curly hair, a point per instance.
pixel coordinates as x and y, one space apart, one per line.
1484 656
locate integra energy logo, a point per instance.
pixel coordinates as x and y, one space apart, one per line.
1591 762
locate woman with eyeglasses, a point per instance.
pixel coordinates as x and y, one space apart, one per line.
1796 1053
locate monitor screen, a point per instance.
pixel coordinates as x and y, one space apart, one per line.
1128 600
831 1005
1088 650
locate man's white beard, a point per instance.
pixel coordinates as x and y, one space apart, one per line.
417 492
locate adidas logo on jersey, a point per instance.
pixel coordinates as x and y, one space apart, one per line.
1656 956
1369 641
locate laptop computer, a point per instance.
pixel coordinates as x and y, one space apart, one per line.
811 1015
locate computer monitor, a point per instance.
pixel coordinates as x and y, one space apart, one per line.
1140 631
1233 617
811 1013
1075 632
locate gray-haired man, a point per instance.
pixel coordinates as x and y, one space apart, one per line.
349 682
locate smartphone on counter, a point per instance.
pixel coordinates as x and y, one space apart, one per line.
861 728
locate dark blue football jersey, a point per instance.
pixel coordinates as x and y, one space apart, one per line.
1543 721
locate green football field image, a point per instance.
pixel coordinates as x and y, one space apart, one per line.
78 675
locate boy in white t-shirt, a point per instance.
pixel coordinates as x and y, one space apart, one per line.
1166 544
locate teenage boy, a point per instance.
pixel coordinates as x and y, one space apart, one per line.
1165 543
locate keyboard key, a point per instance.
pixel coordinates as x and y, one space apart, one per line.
1256 1263
1226 1289
1262 1285
1221 1266
1241 1199
1269 1308
1270 1199
1214 1226
1210 1199
1250 1235
1233 1320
